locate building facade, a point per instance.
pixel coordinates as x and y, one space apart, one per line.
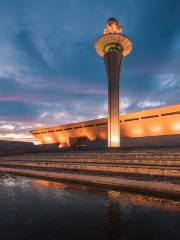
155 127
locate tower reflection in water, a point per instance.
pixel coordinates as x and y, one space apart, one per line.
114 226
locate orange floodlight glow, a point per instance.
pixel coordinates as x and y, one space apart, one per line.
177 127
156 129
48 139
61 138
138 131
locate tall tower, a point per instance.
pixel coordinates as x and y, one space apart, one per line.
113 46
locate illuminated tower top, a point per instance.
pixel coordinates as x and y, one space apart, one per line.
112 26
113 39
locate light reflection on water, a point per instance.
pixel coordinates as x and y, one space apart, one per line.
40 209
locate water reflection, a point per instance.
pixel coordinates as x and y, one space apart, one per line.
114 226
9 181
45 183
147 201
41 209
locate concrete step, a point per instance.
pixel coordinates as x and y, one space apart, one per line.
92 156
153 162
169 171
110 151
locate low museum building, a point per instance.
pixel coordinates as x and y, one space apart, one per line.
155 127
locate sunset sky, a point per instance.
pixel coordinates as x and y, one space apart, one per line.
50 73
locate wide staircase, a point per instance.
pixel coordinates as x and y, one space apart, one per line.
155 164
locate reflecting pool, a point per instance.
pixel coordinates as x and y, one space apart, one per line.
39 209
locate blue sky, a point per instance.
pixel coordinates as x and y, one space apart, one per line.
49 70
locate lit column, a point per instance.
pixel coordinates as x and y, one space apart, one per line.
113 46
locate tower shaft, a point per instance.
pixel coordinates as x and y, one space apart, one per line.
112 61
113 46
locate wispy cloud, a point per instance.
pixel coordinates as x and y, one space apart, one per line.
124 104
150 104
13 131
168 80
7 127
27 137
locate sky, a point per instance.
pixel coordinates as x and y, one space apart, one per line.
50 73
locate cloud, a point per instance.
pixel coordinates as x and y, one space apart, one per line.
7 127
150 104
79 111
13 131
168 80
27 137
103 110
124 104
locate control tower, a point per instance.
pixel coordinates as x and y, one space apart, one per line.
113 46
